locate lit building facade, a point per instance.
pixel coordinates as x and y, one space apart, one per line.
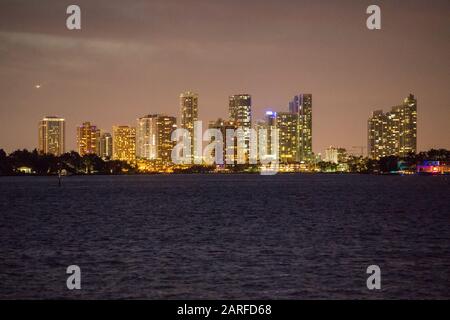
228 148
287 126
88 137
153 137
52 135
105 146
240 110
124 143
377 133
189 114
408 133
331 155
302 106
240 113
271 125
336 155
393 133
165 127
433 167
393 127
146 136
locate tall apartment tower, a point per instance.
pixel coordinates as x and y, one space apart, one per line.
302 106
240 110
189 114
287 126
377 135
153 137
229 149
165 125
124 143
393 133
408 133
146 132
271 125
52 135
105 146
88 137
240 113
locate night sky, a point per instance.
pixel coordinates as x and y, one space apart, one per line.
133 58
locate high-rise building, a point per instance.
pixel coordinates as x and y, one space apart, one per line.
393 133
88 137
189 114
271 125
377 133
124 143
166 125
240 112
153 137
228 148
287 126
105 146
146 135
408 133
302 105
52 135
391 143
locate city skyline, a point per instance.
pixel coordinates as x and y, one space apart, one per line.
141 67
393 133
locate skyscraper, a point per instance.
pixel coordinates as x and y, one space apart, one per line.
391 143
124 143
377 146
228 148
146 135
87 139
240 112
302 105
271 125
408 133
393 133
52 135
153 137
105 146
165 127
287 126
189 114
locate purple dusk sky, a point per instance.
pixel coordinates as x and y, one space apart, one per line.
133 58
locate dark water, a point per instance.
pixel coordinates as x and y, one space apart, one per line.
225 237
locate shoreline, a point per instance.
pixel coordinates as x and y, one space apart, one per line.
225 174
